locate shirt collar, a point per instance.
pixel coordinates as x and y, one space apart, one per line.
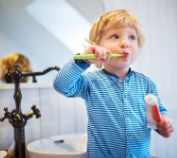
114 75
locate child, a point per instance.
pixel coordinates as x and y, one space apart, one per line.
114 95
15 59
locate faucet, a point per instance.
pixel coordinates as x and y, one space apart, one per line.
16 118
9 78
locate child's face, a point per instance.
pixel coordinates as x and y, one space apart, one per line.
120 40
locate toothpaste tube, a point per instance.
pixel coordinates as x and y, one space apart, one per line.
152 111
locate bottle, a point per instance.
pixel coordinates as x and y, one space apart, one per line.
151 101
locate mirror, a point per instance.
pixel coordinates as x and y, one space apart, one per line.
47 32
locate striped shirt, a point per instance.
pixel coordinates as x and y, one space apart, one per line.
117 125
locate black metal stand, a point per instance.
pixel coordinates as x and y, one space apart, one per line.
16 117
20 142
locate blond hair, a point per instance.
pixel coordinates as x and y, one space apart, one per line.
115 19
16 59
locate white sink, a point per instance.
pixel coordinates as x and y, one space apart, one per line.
73 146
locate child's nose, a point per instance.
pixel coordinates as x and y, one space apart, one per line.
124 43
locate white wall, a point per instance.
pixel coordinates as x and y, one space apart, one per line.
6 45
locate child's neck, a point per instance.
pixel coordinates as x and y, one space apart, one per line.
122 73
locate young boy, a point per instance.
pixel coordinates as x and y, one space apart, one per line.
15 59
114 95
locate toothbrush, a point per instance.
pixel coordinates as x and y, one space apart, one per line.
92 56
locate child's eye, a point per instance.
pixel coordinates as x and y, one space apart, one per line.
132 37
115 36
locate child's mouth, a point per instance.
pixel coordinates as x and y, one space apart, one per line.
126 54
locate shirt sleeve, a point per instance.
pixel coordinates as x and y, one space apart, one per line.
162 109
69 81
154 91
82 64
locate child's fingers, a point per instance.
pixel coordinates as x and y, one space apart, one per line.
104 54
167 132
165 126
108 51
100 53
163 121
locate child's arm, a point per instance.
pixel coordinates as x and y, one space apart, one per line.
70 81
165 126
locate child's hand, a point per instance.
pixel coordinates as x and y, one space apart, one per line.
165 126
99 52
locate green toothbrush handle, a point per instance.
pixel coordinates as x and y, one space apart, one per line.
92 56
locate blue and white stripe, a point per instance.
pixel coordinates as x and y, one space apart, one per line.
117 126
